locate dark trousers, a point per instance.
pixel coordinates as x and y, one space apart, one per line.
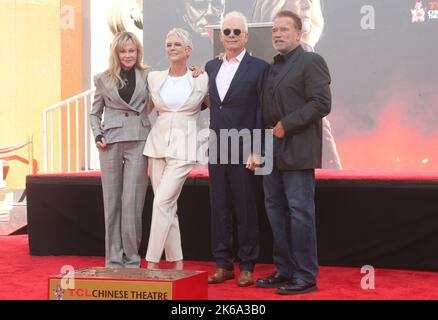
290 206
232 191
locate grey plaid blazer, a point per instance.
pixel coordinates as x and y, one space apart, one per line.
113 118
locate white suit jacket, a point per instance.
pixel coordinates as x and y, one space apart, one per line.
175 133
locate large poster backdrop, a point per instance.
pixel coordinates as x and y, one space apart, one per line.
382 57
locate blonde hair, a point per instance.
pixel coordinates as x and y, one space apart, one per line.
317 20
115 67
265 11
184 35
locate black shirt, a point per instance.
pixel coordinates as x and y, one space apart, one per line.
272 116
279 61
128 90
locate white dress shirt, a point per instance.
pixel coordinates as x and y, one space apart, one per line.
226 74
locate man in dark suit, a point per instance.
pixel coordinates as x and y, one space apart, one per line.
295 99
235 85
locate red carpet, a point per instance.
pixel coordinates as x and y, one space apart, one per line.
321 174
23 277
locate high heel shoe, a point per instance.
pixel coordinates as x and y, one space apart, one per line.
152 266
178 265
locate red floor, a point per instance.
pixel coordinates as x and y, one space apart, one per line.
321 174
23 277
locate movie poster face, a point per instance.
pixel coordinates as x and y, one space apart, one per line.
381 55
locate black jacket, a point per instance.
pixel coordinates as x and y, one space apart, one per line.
300 97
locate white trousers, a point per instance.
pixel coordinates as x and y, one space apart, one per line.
167 177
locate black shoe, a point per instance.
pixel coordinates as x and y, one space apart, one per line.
297 287
273 281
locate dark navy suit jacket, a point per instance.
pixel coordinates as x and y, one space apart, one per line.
241 107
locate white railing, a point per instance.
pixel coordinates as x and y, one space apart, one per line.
2 181
58 121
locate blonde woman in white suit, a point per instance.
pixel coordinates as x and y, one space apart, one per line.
172 144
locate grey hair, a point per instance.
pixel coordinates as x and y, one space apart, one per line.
184 35
237 15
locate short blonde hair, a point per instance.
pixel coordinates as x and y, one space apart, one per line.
115 67
265 11
184 35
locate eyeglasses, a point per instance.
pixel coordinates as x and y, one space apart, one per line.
236 32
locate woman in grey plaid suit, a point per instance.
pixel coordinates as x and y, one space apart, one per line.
120 127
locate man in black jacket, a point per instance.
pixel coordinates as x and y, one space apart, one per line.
295 98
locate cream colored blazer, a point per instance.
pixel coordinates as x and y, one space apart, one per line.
175 133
